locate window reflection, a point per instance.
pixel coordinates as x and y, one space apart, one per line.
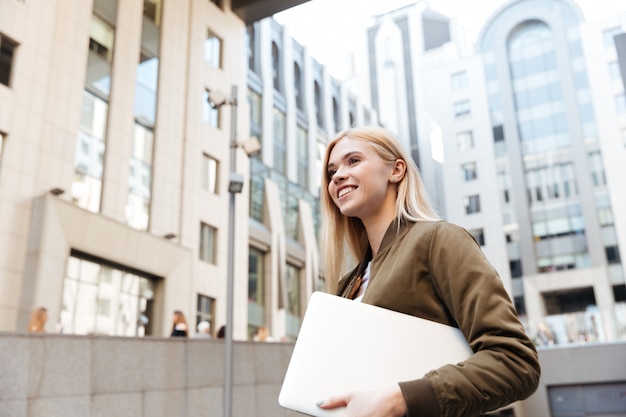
213 49
105 300
280 141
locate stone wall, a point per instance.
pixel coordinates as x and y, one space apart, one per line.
92 376
50 375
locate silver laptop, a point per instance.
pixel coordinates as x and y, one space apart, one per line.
345 345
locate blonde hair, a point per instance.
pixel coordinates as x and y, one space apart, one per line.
38 320
412 203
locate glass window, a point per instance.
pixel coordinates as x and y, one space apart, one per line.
209 175
256 274
89 153
152 10
256 114
303 158
462 108
297 80
137 212
276 73
336 115
608 36
459 81
98 74
146 88
479 236
280 142
258 173
101 36
318 104
596 167
208 243
469 171
498 133
205 310
251 47
94 114
614 71
105 300
140 178
7 53
293 290
291 215
605 216
612 254
465 140
515 266
213 49
210 114
472 204
143 141
86 192
620 103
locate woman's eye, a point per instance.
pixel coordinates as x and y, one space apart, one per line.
330 173
353 161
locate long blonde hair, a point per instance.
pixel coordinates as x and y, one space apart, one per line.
412 203
38 319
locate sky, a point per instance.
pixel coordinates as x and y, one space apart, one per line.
330 29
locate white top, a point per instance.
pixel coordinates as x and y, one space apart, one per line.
364 281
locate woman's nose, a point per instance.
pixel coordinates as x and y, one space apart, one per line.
339 176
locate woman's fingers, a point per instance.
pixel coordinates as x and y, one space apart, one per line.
334 402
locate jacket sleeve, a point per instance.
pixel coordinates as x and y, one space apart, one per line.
504 367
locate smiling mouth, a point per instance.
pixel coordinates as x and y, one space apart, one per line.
345 191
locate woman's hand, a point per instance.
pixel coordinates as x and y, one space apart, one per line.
384 403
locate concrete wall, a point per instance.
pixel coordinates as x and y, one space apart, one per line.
579 365
92 376
49 375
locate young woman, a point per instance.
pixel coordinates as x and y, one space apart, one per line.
179 325
412 262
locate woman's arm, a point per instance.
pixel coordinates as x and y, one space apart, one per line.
505 366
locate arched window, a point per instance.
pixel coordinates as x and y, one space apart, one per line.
297 80
318 104
251 42
336 115
276 66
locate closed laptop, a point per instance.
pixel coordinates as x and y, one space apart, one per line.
344 345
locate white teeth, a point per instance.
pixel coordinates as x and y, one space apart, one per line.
345 191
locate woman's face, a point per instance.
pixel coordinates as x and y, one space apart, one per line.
361 181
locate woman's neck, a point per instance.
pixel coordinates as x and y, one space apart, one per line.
376 231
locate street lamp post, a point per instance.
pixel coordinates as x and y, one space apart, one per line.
235 186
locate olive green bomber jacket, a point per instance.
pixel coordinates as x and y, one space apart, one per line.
437 271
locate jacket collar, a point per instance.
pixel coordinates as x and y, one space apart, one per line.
395 229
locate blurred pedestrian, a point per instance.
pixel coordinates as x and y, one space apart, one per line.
204 330
263 335
179 325
38 319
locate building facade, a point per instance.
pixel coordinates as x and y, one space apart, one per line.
296 107
116 123
524 135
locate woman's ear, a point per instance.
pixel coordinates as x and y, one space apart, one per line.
398 170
